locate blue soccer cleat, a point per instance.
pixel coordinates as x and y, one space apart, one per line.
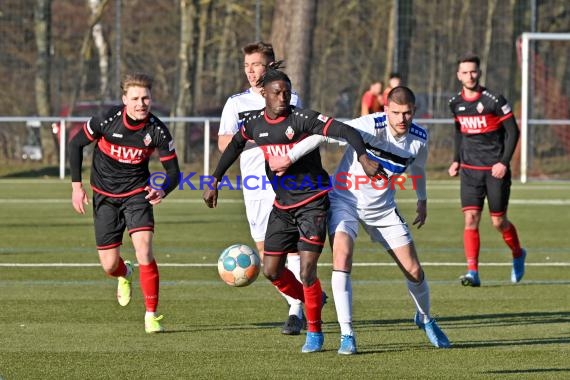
347 345
433 332
517 272
471 278
314 342
418 321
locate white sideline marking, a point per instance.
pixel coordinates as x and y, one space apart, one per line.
529 202
209 265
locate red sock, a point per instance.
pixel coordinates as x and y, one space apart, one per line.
149 280
288 284
121 269
313 306
471 244
512 239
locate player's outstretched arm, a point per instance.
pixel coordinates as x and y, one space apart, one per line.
344 131
230 155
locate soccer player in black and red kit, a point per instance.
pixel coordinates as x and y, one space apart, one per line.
485 140
122 198
298 219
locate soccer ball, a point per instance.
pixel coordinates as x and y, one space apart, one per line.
238 265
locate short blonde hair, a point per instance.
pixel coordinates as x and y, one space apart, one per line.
136 80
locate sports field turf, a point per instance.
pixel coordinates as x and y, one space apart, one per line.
59 318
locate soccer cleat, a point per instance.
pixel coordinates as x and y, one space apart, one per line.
124 288
313 342
347 345
517 272
292 326
433 332
471 278
304 322
152 324
418 321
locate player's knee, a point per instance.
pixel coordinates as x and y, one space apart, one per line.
270 273
308 277
500 223
144 256
109 268
342 262
471 221
416 274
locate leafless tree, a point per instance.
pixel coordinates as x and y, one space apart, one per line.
94 18
183 99
103 51
42 28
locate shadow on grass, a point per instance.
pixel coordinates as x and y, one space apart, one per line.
506 319
530 371
447 323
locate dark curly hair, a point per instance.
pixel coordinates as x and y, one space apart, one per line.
273 74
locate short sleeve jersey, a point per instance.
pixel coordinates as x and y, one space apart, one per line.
397 155
479 120
305 180
122 151
251 160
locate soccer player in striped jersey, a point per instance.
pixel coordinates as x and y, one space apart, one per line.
486 135
399 145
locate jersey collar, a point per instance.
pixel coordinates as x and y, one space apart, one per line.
133 127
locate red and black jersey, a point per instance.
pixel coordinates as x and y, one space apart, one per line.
305 180
481 137
122 152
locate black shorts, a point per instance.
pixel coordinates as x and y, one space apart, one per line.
478 184
299 229
113 215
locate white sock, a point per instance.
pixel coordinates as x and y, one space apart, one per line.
150 314
342 293
294 265
419 291
295 306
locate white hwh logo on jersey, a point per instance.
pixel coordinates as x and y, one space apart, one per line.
126 154
277 150
473 122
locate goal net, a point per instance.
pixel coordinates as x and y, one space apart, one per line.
545 106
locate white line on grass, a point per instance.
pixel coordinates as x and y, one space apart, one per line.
209 265
528 202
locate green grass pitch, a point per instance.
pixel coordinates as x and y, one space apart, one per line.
59 318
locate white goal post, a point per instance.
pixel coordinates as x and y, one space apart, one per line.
525 92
